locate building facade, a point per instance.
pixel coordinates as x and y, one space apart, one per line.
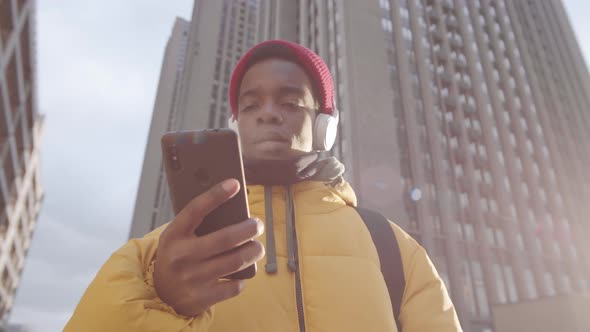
559 313
460 120
21 193
153 187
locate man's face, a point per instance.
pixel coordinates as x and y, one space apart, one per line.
276 111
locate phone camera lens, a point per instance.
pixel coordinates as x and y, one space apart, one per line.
173 155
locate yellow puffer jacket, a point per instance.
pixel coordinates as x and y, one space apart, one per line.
342 288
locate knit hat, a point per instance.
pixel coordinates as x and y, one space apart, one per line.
312 64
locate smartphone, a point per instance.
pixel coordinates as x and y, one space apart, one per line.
195 161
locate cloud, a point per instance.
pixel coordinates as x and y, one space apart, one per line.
40 320
99 65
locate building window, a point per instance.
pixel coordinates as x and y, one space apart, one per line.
441 266
464 200
536 169
407 34
493 206
500 238
557 249
386 24
530 284
404 13
468 289
458 170
550 286
476 125
567 284
453 142
512 294
480 291
543 195
502 298
512 137
478 176
487 177
495 133
520 241
529 146
483 203
468 231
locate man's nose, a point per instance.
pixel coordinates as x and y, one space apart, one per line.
270 113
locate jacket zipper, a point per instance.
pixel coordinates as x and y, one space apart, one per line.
298 292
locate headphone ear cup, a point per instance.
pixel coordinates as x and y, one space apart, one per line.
232 124
325 130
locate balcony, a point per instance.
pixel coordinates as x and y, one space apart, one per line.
437 37
451 103
480 162
460 64
447 6
446 79
460 155
486 189
442 57
469 110
474 135
464 87
451 23
455 128
457 44
463 184
433 16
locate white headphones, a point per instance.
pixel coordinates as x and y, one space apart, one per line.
324 130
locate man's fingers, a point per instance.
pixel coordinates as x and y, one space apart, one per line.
228 263
227 238
222 290
195 211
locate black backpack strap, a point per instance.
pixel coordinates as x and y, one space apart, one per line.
389 257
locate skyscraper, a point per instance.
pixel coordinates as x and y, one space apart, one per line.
460 120
21 193
151 208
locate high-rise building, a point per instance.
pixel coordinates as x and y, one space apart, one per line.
152 193
21 193
460 120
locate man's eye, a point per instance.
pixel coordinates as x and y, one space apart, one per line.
291 106
248 108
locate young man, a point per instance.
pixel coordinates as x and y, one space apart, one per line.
321 271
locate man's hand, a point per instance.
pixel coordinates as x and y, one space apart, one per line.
188 267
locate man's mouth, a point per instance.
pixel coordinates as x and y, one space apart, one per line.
273 137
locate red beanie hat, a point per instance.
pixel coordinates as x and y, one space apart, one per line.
312 64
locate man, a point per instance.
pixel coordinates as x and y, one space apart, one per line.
321 272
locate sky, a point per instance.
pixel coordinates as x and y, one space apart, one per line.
98 69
